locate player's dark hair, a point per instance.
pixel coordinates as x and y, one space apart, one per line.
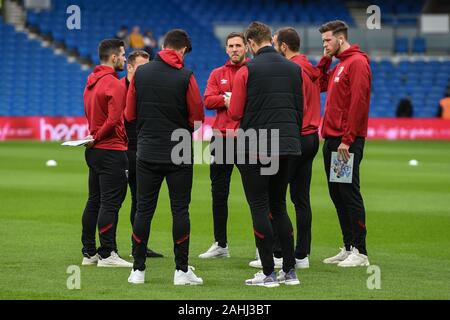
177 39
289 36
108 47
336 27
258 32
235 35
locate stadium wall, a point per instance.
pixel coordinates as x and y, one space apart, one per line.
73 128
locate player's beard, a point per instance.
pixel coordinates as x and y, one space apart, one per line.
119 67
239 61
335 52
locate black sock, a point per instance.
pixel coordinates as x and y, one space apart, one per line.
222 244
278 255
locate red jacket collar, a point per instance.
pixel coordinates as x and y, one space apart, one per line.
354 49
229 64
172 58
98 73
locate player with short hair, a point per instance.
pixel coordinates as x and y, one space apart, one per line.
104 101
287 43
344 128
134 60
164 97
267 97
220 84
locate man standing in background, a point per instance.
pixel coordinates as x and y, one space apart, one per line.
344 128
104 101
134 60
287 43
136 39
220 85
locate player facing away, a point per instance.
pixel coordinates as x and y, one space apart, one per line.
220 84
163 97
134 60
287 43
267 98
344 128
104 101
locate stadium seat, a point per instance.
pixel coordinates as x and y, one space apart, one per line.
43 71
419 45
401 45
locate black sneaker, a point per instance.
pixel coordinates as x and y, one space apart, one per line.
153 254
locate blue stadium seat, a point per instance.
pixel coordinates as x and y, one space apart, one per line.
419 45
401 45
63 83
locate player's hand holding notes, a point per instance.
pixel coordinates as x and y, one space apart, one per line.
86 142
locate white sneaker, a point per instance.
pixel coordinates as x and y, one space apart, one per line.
289 279
302 263
136 277
91 261
355 259
215 251
114 261
341 256
257 263
186 278
260 279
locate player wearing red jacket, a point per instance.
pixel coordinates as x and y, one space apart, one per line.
344 128
220 83
104 101
287 42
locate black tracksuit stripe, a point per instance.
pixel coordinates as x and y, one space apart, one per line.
107 190
300 185
161 109
274 101
220 176
179 182
347 197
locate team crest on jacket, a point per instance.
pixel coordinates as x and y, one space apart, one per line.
223 81
336 79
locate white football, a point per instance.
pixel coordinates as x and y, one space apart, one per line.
51 163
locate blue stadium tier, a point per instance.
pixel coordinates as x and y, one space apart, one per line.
399 12
102 19
208 12
425 83
36 81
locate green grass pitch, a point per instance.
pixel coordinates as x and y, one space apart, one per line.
408 220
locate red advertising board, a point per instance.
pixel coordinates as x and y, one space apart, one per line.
43 128
408 129
70 128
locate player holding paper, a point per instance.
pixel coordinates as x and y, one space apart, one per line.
104 101
344 129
